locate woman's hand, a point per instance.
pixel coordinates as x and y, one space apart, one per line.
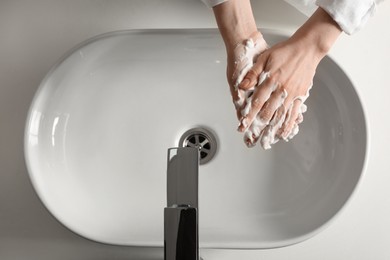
269 98
281 79
240 61
276 104
237 25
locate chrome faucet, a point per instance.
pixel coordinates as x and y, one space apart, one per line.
181 240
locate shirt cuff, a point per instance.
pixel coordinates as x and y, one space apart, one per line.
350 15
212 3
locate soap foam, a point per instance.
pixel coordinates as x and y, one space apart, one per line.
259 126
247 55
260 129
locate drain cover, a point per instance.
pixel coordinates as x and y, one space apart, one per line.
202 139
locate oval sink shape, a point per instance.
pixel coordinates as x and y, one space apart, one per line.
102 120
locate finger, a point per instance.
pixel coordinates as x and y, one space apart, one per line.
238 99
293 132
254 75
245 108
241 101
264 99
237 104
269 136
272 104
250 80
292 118
249 139
253 133
242 68
247 55
238 114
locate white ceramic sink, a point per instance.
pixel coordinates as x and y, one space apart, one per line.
102 120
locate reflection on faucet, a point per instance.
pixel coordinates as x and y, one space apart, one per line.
181 213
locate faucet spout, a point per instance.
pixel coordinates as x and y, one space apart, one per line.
181 240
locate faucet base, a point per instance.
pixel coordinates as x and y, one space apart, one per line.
181 233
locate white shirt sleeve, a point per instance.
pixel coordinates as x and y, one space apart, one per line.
351 15
211 3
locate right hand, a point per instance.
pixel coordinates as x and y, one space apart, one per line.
242 61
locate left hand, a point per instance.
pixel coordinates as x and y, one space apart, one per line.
288 69
240 61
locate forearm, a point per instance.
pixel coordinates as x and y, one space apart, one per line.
318 34
235 22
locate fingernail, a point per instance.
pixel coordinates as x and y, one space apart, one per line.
244 123
244 84
249 143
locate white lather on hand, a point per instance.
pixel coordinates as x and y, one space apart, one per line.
266 131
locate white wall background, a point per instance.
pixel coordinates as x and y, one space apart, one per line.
34 34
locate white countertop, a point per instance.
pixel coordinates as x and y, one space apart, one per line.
35 34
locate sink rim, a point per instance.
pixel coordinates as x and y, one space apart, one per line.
265 31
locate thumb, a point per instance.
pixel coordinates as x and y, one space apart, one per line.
251 79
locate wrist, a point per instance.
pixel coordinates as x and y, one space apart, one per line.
235 22
319 33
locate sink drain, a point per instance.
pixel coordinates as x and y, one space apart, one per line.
202 139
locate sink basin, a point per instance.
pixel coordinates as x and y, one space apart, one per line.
99 127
